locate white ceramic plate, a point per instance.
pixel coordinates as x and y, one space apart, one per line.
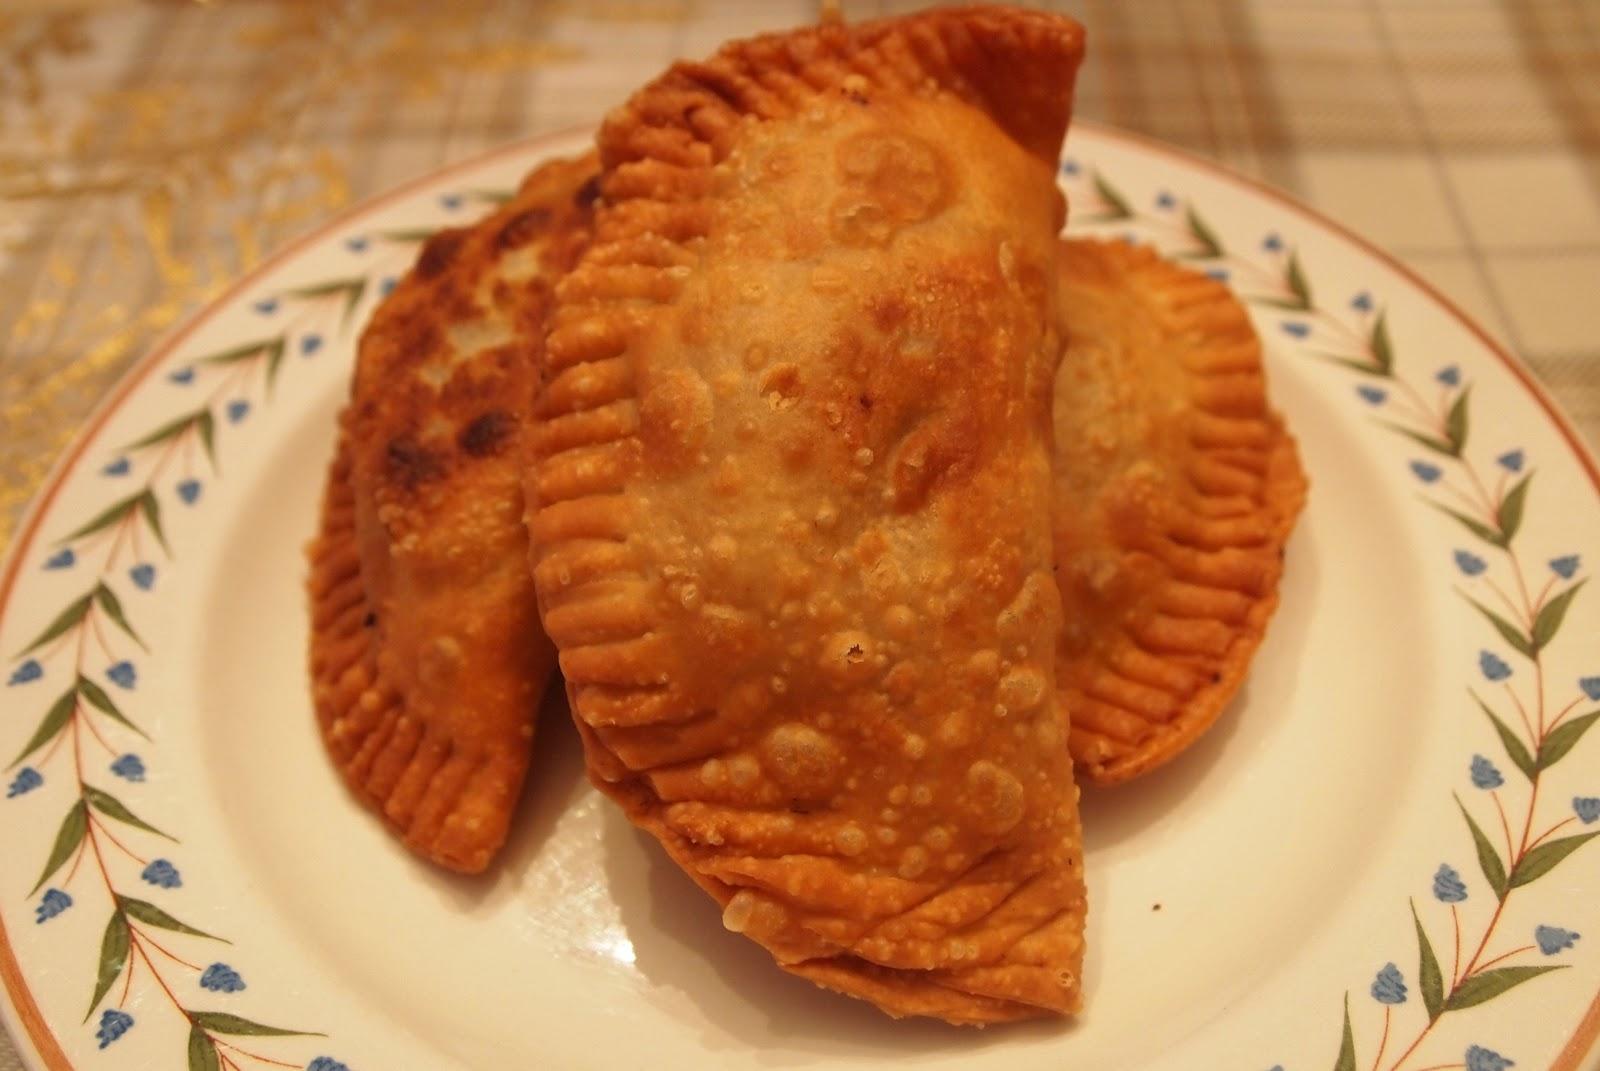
1257 904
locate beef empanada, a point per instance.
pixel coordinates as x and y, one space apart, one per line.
790 501
1176 488
427 659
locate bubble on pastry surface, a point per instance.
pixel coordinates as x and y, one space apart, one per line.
675 416
1022 689
937 838
955 729
847 656
723 548
995 797
714 772
913 862
1047 732
914 746
921 796
984 666
780 386
850 840
802 760
900 621
743 770
736 915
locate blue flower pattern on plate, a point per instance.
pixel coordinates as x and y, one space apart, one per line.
1295 329
326 1063
30 670
1552 939
1272 243
123 675
182 377
310 344
1511 460
238 410
1590 686
1587 808
1372 395
1485 774
129 767
1426 471
119 467
26 781
143 576
113 1024
1481 1059
1566 566
51 904
1449 375
162 873
61 559
1389 987
1494 667
189 491
1362 302
221 978
1448 886
1469 563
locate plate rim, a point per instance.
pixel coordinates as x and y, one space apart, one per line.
25 1023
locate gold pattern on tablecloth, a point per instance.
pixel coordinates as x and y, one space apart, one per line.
155 193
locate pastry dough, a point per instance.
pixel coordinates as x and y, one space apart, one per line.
1176 488
427 659
789 501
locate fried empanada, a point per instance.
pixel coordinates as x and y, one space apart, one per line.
1176 488
790 501
427 659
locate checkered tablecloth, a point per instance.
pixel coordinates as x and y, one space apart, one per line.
149 153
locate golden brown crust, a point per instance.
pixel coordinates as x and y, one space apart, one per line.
427 657
789 496
1176 489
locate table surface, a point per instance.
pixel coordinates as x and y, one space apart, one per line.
151 153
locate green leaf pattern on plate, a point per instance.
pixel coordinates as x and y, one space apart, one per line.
86 715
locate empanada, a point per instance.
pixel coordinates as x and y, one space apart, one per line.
427 659
790 501
1176 488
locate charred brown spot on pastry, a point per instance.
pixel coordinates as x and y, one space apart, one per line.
588 193
487 434
439 251
523 227
409 463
